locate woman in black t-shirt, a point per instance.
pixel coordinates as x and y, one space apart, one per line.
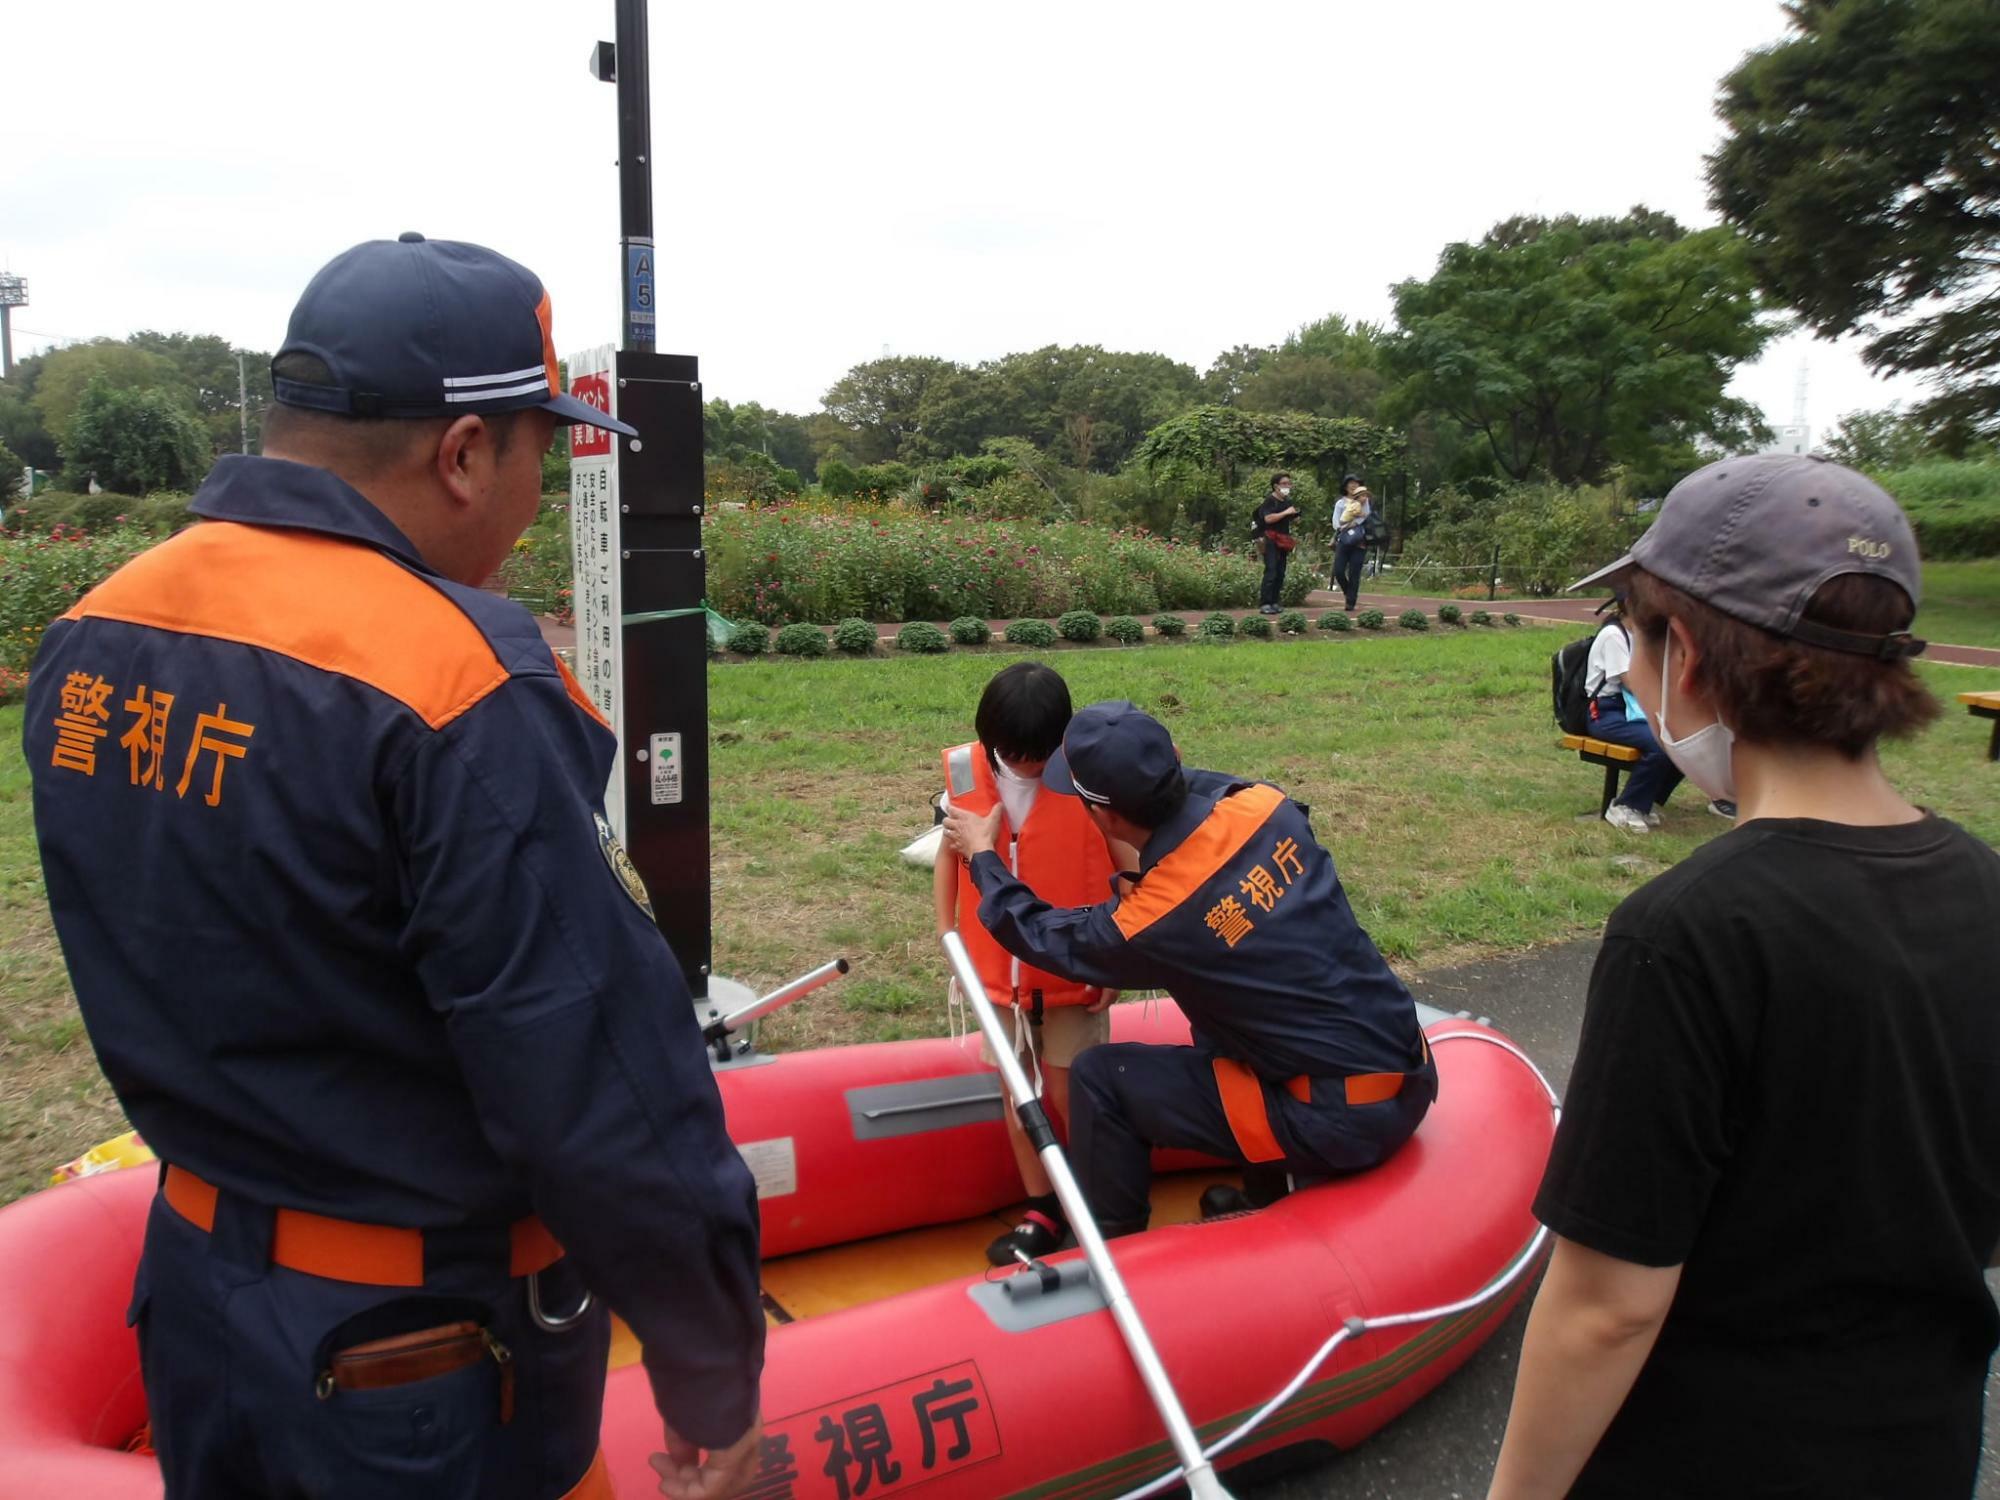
1776 1185
1272 525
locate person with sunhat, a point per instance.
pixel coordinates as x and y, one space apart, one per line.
1775 1189
1308 1059
324 840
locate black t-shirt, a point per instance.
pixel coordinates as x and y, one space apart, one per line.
1788 1083
1271 506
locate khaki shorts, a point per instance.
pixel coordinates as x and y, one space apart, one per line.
1063 1031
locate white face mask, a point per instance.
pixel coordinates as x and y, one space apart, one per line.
1705 757
1005 772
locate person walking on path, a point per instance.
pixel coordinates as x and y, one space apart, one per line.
1615 716
1776 1184
1350 539
323 833
1272 524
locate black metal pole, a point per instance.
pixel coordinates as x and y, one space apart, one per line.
635 174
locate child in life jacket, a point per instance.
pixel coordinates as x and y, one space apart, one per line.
1049 843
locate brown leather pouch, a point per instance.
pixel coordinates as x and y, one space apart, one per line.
381 1364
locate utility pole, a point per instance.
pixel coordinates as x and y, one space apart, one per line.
635 172
13 294
242 407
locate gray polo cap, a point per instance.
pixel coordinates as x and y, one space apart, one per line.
1756 537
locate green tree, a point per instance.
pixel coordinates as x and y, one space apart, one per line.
1877 440
135 441
1085 404
1861 164
11 469
21 425
208 364
874 407
1570 346
68 372
1330 368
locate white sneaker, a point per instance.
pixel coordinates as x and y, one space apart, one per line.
1653 819
1618 815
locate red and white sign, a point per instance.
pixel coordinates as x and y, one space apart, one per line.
593 389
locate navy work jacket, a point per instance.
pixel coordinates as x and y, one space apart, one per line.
1239 914
324 845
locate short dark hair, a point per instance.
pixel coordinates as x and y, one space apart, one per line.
1023 712
1769 688
1279 478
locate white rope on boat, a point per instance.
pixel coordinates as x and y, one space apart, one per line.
1355 1327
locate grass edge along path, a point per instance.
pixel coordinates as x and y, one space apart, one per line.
1429 761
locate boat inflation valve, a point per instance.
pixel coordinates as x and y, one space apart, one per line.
1047 1277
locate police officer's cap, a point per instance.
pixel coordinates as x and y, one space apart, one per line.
1115 756
412 327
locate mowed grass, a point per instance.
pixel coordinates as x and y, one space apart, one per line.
1429 762
1961 602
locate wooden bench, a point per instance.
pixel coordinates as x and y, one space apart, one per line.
1614 758
1985 706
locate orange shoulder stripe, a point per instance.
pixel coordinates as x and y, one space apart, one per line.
1200 855
577 695
337 605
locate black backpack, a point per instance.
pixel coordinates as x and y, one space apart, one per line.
1566 673
1567 670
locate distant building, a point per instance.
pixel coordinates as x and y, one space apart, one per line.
1793 437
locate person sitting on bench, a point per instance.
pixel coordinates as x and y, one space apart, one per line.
1308 1059
1616 717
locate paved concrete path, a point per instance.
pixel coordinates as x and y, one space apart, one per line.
1443 1449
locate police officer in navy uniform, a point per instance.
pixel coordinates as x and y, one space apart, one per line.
1308 1060
323 834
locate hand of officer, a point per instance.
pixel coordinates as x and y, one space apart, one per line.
1101 1004
970 833
685 1476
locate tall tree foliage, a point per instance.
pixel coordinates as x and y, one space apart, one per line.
135 441
1862 162
1569 346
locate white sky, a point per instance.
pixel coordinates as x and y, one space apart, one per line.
835 180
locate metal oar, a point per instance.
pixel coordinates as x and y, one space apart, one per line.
1198 1473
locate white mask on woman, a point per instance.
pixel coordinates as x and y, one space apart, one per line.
1705 757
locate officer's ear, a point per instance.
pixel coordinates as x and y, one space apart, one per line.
464 458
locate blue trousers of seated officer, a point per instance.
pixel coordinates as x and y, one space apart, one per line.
230 1347
1125 1098
1652 780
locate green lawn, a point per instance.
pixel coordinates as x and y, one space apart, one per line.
1429 762
1961 602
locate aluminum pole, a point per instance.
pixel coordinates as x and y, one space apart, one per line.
778 999
1199 1476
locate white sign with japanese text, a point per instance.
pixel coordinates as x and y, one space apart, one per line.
594 532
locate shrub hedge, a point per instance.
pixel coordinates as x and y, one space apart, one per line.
750 639
923 637
1032 633
970 630
1292 622
1334 619
1169 626
801 639
1371 619
1414 619
1126 629
855 637
1080 625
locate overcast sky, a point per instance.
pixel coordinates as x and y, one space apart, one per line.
834 181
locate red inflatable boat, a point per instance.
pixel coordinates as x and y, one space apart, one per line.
895 1365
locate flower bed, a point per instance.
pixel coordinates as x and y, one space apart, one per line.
811 561
42 573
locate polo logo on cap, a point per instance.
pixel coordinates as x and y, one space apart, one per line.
1866 548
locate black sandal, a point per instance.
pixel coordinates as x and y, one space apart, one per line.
1035 1236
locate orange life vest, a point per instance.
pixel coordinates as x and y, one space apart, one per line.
1058 854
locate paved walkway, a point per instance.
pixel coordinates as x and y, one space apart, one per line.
1446 1444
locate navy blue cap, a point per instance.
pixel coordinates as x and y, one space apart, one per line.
429 328
1114 755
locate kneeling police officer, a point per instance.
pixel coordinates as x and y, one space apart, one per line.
323 833
1308 1060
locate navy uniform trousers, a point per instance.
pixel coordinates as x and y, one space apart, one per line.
1128 1097
236 1413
